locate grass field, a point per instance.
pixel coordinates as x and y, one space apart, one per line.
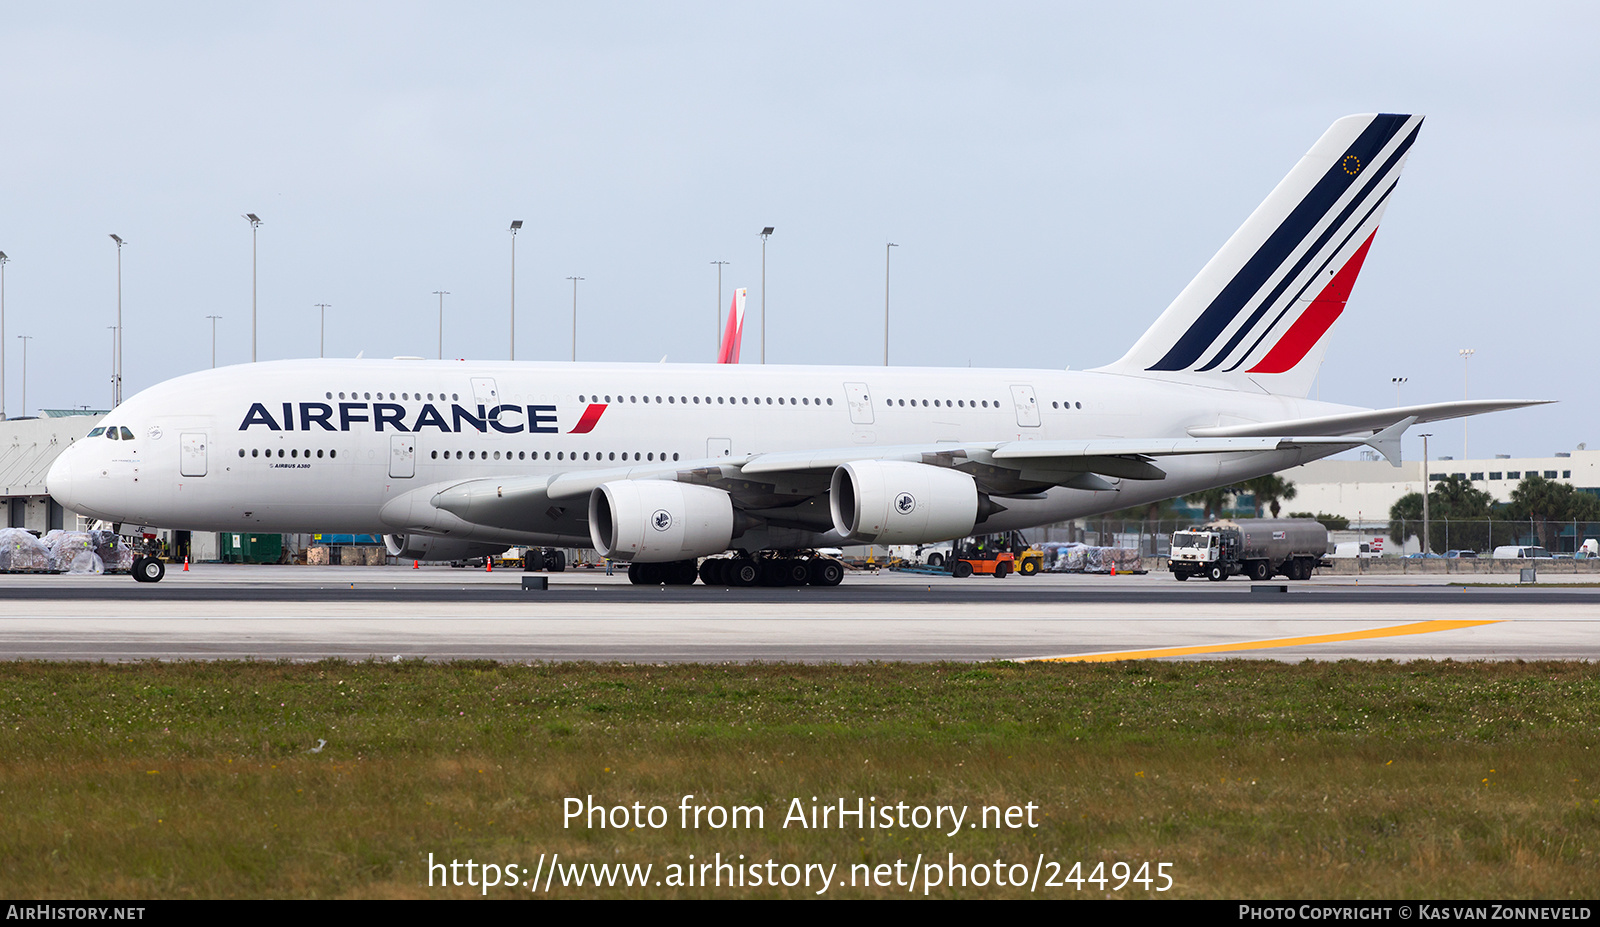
1251 779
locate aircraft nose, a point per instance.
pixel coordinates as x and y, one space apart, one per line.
59 480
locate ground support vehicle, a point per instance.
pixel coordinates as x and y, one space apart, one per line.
997 555
1259 548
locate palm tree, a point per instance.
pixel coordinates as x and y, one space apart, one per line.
1212 501
1270 491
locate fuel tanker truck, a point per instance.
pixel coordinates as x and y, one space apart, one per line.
1260 548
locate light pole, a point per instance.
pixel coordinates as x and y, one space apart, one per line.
116 366
574 316
1466 355
441 294
213 319
322 328
515 225
1425 490
765 234
255 223
718 341
1397 381
113 329
3 260
25 339
886 253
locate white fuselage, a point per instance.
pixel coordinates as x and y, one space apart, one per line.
331 445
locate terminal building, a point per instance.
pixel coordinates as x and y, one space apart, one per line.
1364 490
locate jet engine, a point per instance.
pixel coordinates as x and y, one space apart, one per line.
653 521
897 502
428 547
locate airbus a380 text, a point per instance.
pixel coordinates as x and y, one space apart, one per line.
662 465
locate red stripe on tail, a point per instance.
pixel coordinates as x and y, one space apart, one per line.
1307 330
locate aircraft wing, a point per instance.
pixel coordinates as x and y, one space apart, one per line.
1367 419
794 482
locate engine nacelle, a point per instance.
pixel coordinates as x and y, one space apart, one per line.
897 502
654 521
428 547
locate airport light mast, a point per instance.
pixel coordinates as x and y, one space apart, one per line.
3 261
717 342
255 223
441 294
765 234
886 253
213 319
116 366
516 225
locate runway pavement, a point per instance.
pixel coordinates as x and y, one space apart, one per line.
437 613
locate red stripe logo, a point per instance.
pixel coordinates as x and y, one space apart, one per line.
590 416
1307 330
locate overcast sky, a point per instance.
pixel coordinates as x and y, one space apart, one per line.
1052 173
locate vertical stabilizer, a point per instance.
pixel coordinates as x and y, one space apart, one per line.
1258 314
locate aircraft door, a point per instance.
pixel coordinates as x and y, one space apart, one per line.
403 456
483 390
1027 405
193 451
860 400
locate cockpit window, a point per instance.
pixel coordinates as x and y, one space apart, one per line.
97 432
111 433
126 434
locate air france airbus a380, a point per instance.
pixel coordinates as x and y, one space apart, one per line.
662 465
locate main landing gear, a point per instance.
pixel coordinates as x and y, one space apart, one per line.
741 571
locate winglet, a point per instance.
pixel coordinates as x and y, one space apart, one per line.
733 334
1387 441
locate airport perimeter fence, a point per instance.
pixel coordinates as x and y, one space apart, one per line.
1153 537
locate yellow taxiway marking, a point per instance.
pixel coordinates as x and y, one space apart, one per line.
1419 627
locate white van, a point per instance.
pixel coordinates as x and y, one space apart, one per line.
1512 552
1353 549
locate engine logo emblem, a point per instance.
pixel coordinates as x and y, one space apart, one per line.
905 503
661 520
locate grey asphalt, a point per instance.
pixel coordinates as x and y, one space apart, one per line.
299 613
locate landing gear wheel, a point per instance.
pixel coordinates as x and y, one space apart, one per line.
1216 574
636 574
1260 571
796 572
148 570
708 572
960 569
680 573
532 561
555 561
743 573
1029 567
826 572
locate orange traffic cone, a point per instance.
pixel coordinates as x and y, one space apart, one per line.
488 566
185 564
1113 569
414 565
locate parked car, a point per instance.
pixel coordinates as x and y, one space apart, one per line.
1461 554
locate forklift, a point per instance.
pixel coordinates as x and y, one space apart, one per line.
998 555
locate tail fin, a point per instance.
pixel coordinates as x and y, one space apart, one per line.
1257 314
733 334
